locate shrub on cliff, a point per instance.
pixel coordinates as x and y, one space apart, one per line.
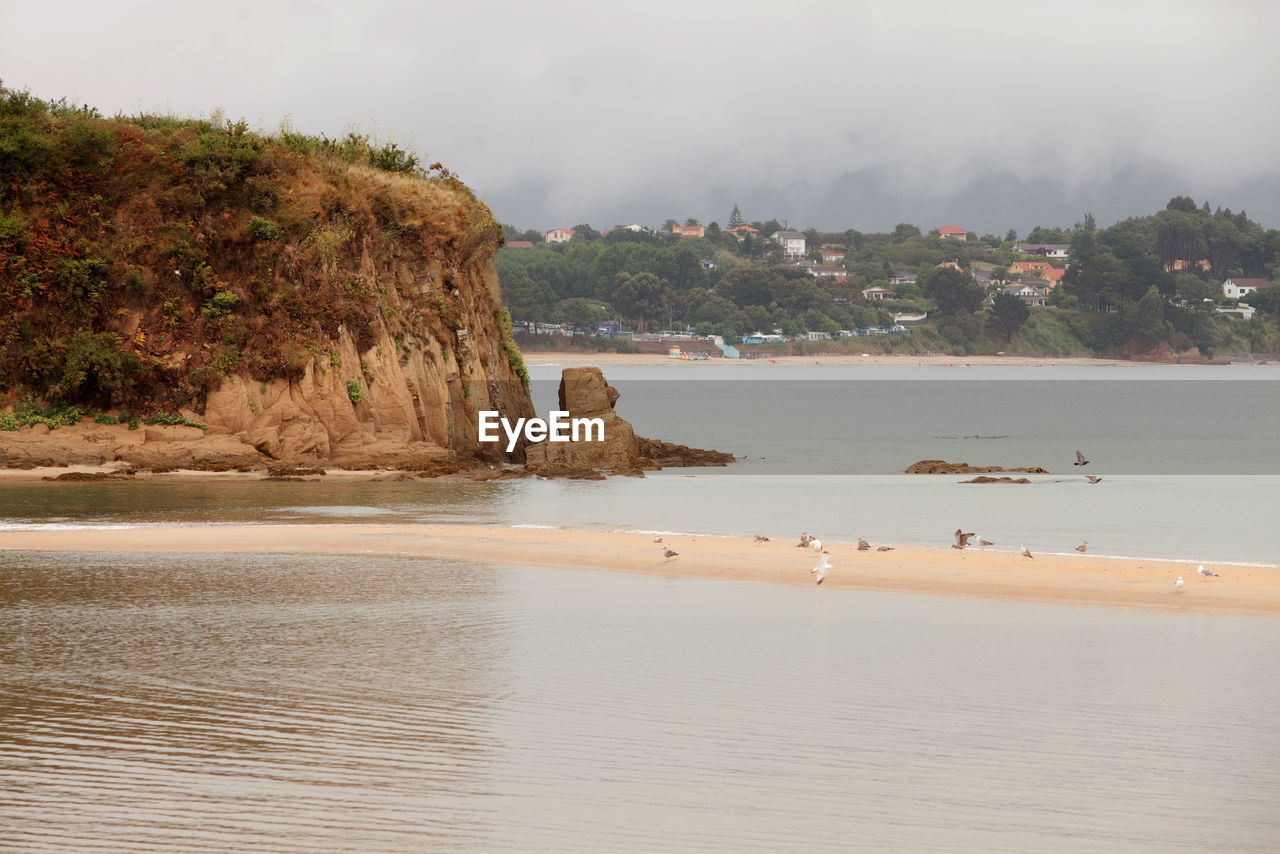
137 253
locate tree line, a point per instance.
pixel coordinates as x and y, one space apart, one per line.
1133 285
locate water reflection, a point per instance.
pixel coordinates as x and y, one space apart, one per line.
218 703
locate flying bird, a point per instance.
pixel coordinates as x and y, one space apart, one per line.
1025 552
824 563
1080 460
1093 478
669 553
863 545
1206 573
1083 547
1177 585
962 539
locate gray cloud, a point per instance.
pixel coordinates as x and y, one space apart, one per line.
828 114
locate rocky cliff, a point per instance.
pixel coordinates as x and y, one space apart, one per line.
300 298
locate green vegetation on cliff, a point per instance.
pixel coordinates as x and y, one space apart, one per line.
144 258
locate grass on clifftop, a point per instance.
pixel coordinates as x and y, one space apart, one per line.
144 258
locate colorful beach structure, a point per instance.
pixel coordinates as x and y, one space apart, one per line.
677 353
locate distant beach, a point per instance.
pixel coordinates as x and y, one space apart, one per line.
1003 574
605 360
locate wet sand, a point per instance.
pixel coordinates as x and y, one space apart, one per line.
1067 579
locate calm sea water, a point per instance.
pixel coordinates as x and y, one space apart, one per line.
274 703
247 703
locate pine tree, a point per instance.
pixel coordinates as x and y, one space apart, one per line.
735 218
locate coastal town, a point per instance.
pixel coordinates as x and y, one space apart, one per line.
899 284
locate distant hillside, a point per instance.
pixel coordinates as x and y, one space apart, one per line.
148 262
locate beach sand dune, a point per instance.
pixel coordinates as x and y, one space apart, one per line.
1062 578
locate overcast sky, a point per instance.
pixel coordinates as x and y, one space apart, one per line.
990 115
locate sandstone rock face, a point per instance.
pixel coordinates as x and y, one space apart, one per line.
584 393
419 392
943 467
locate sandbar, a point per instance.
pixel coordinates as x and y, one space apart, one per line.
1004 574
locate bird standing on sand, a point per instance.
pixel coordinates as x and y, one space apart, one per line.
1083 547
1080 460
1093 478
760 538
863 545
824 563
884 548
668 552
962 539
815 544
805 539
657 539
982 541
1025 552
1206 573
1177 585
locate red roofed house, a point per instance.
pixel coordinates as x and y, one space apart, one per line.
832 256
743 231
953 232
687 230
559 235
1238 288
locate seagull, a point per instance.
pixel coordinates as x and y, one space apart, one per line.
863 545
884 548
815 544
962 539
1083 547
982 541
1206 573
805 539
1177 585
1093 478
824 563
668 552
1026 552
1080 460
657 539
760 538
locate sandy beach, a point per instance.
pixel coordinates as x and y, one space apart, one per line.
1067 579
605 360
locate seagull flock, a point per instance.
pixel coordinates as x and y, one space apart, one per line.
962 540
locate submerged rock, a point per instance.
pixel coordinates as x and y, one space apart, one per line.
943 467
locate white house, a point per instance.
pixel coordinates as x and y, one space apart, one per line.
1237 288
876 293
1030 294
792 243
558 235
821 271
1044 250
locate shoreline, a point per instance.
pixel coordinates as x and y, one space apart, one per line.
540 359
1249 590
